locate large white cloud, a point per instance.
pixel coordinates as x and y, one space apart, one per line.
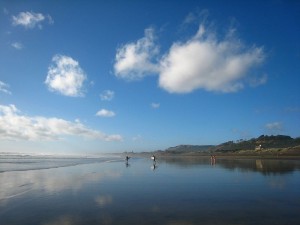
65 76
204 62
136 60
15 126
30 19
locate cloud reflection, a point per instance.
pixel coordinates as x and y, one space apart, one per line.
50 181
104 200
63 220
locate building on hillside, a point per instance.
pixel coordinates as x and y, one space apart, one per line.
258 148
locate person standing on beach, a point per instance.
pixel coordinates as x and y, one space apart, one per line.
154 158
213 160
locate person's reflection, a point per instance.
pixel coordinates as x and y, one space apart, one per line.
259 164
154 166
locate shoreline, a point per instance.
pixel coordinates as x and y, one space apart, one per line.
218 156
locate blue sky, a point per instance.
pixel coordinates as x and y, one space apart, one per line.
112 76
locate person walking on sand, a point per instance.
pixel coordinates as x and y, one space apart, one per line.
153 158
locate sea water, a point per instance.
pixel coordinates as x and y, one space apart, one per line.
188 191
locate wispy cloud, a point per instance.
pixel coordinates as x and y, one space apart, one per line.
257 81
107 95
274 127
105 113
137 138
243 134
294 109
190 18
155 105
136 60
196 17
206 63
30 20
5 11
17 45
65 76
16 126
4 88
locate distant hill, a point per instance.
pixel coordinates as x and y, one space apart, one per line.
188 148
264 141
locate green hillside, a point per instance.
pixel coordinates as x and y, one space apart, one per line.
188 148
263 143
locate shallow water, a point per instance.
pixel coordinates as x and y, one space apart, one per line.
174 191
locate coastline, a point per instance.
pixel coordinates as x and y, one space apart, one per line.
286 154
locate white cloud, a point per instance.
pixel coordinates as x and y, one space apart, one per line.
4 88
17 45
155 105
274 127
30 20
203 62
65 76
15 126
136 60
107 95
105 113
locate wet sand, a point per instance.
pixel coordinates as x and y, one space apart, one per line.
170 191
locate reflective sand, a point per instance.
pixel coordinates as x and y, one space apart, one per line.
174 191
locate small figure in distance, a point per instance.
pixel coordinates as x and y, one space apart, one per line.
153 158
154 166
213 160
126 163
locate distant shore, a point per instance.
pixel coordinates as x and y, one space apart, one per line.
264 146
273 153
